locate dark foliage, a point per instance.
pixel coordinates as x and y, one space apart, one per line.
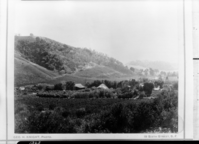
159 83
58 86
70 85
99 115
136 117
148 87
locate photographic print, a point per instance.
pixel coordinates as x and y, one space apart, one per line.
83 67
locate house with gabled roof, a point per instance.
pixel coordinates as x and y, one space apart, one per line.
102 86
79 86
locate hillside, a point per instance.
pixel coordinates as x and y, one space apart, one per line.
39 59
99 72
62 58
27 72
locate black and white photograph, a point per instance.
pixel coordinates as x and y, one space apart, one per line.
97 67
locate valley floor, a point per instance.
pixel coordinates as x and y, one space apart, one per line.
35 114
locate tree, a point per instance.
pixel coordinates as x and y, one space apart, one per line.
96 83
58 86
159 83
148 87
70 85
133 82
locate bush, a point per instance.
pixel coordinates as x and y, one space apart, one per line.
40 87
148 87
58 86
48 122
65 113
52 106
80 112
159 83
48 88
138 116
80 95
70 85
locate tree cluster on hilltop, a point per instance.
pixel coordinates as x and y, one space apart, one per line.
153 72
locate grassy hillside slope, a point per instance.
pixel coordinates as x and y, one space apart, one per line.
40 59
61 57
99 72
27 72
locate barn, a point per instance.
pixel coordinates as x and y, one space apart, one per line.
157 88
22 88
102 86
79 86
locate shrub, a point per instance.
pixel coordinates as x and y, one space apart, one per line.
80 95
52 106
148 87
65 113
48 122
70 85
135 117
126 95
40 108
80 112
40 87
58 86
159 83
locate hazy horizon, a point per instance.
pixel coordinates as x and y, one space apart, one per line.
125 30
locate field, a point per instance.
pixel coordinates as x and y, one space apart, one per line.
87 113
91 105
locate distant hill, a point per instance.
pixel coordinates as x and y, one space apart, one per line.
40 59
160 65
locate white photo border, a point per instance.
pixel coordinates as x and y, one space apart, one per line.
185 129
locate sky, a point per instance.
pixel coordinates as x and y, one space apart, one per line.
126 30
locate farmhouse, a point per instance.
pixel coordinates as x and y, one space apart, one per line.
21 88
102 86
79 86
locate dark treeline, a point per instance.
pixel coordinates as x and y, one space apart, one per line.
121 89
